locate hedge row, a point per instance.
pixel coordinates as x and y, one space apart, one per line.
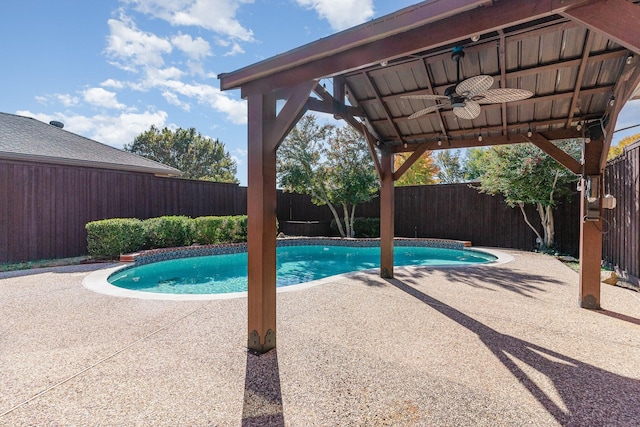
109 238
363 227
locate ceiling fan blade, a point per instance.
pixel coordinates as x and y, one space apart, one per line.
433 97
502 95
474 86
470 111
426 111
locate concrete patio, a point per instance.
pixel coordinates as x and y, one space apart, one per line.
493 345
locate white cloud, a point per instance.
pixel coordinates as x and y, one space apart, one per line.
114 84
173 99
341 14
235 50
102 98
215 15
62 98
131 47
196 49
114 130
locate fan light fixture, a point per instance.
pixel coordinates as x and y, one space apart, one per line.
466 96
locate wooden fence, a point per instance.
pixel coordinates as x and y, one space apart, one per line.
44 208
447 211
621 228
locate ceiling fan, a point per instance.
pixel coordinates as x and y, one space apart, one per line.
467 95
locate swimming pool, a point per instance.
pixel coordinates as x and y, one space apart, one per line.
227 273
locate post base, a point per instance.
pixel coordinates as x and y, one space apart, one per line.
255 345
590 302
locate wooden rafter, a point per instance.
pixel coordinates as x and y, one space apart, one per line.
384 107
533 100
443 128
579 78
488 129
616 19
503 78
489 140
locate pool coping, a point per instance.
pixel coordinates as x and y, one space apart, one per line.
97 280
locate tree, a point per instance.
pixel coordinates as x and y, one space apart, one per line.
422 172
524 174
450 168
619 149
198 157
331 165
474 163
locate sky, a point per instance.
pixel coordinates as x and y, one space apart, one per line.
109 69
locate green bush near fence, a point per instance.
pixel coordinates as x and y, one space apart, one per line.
363 227
169 231
211 230
109 238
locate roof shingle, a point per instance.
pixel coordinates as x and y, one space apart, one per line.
24 138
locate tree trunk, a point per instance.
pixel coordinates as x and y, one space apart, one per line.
337 218
546 218
526 219
353 212
347 223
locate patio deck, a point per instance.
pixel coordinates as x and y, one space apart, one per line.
501 345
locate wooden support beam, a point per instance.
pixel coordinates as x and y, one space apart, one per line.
265 132
615 19
372 148
516 138
590 230
556 153
290 113
419 151
386 216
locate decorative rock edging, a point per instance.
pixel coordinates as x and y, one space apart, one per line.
165 254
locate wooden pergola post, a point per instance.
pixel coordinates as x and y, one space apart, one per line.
267 127
591 226
386 215
261 224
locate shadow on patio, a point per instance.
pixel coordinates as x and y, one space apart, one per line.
573 392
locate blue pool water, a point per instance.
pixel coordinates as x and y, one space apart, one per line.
218 274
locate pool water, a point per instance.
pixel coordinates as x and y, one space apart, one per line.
219 274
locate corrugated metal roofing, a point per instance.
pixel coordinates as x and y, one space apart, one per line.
545 61
573 68
24 138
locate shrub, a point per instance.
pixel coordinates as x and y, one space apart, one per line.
363 227
220 229
169 231
109 238
207 229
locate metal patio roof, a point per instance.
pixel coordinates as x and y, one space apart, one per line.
579 58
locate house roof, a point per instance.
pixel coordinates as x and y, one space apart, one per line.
579 58
27 139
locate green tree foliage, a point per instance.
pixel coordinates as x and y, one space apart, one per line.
451 169
331 165
524 174
422 172
619 149
474 163
198 157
